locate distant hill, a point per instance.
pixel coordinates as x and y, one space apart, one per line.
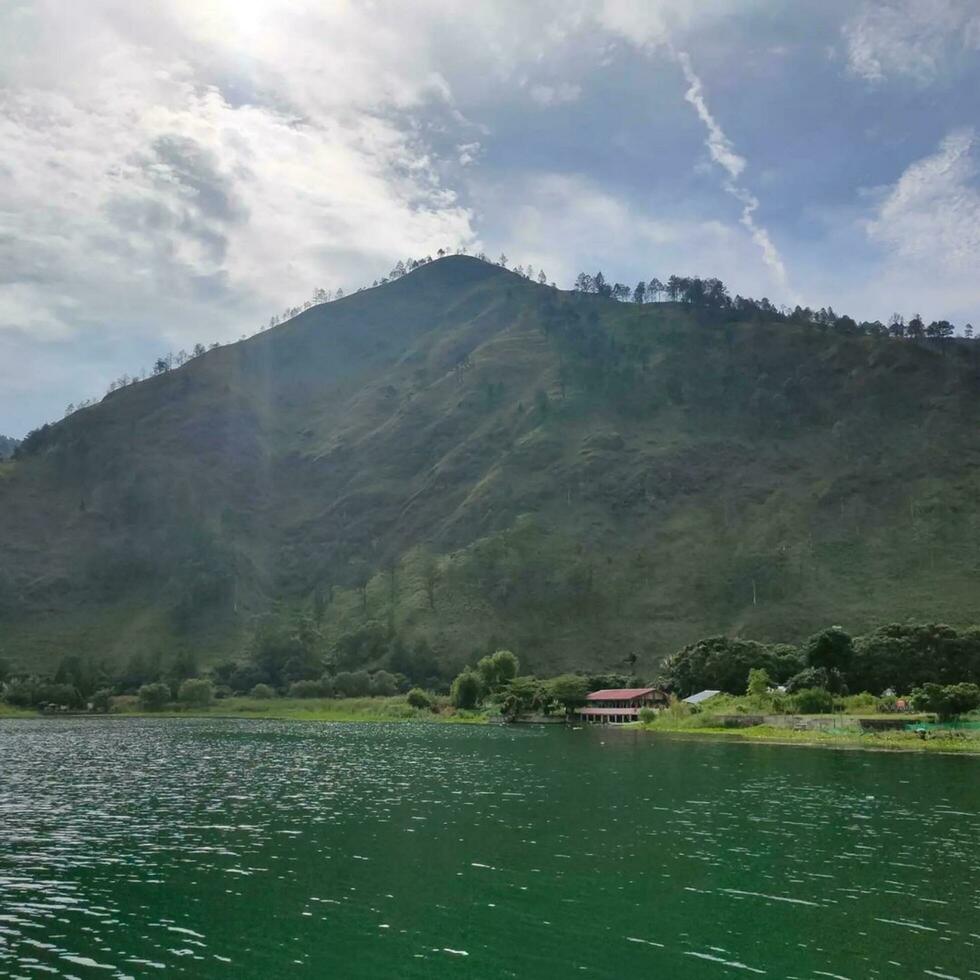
462 459
7 446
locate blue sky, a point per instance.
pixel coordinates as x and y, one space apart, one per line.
179 173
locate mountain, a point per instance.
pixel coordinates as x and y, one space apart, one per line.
7 446
462 458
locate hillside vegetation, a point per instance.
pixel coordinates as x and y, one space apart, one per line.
462 459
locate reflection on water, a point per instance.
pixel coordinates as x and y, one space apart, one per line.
263 849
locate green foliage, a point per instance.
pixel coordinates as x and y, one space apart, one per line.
904 656
305 689
758 685
569 690
101 700
497 670
817 677
153 697
813 701
352 684
419 699
523 695
196 692
830 649
262 691
466 690
647 715
383 684
722 663
947 701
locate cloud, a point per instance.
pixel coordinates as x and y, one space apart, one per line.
723 153
909 38
930 217
552 95
566 223
158 164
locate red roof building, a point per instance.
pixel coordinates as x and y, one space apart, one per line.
620 704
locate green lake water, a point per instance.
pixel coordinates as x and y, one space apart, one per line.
244 849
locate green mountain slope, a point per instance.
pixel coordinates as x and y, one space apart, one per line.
465 458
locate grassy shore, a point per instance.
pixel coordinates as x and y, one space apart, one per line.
307 709
9 711
965 742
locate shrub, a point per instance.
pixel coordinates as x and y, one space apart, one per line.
811 677
758 685
65 695
383 684
814 701
418 698
153 697
647 715
22 693
353 684
102 700
569 690
327 689
305 689
466 690
196 692
948 702
263 691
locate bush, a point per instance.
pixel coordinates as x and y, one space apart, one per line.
101 700
263 691
383 684
814 701
21 693
196 692
64 695
356 684
153 697
811 677
647 715
948 702
418 698
466 690
305 689
327 689
569 690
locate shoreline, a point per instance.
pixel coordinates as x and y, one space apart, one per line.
377 711
366 710
907 742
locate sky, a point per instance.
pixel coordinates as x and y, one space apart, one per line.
176 172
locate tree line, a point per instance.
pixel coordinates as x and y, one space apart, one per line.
711 293
921 660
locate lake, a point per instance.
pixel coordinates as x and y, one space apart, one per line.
243 849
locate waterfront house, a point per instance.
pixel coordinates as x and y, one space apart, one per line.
620 704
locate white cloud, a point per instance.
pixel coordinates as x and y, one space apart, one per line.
911 38
930 218
566 223
552 95
159 162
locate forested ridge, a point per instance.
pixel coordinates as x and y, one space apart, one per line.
464 458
